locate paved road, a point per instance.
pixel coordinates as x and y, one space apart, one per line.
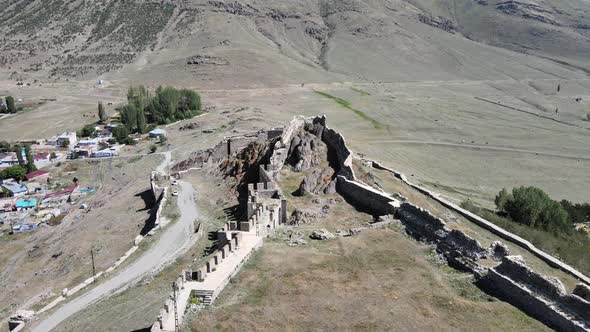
175 239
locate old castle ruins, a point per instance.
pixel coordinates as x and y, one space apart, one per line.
256 161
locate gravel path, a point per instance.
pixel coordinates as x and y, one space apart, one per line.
175 239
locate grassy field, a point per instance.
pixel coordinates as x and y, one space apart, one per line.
380 280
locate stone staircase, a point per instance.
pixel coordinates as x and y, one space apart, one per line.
206 296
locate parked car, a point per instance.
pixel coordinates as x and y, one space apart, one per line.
174 182
175 193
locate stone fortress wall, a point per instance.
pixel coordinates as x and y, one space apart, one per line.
236 241
510 278
569 312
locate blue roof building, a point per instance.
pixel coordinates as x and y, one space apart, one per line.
17 189
26 203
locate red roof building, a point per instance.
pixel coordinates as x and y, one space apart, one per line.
64 191
36 174
41 156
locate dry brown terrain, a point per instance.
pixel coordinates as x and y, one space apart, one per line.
460 95
380 280
38 265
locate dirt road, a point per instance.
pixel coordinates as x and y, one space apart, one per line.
174 240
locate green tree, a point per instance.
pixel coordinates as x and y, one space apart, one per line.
19 155
10 105
4 146
129 116
102 114
120 133
502 200
578 213
13 172
141 121
52 156
526 204
88 130
30 160
153 148
554 218
189 103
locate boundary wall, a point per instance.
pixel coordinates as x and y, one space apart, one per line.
502 233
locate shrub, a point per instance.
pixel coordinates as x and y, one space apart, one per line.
10 105
570 247
88 130
153 148
15 172
533 207
120 133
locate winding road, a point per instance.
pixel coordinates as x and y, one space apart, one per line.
175 239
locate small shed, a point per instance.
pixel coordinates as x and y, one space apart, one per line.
157 133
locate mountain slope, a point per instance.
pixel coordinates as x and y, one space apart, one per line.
302 40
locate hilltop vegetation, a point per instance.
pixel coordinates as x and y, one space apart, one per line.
166 105
550 225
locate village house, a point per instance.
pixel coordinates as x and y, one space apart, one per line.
40 176
113 151
6 204
8 159
25 204
24 227
111 126
67 139
85 151
60 196
157 133
41 157
16 189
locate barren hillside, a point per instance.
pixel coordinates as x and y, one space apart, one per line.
268 42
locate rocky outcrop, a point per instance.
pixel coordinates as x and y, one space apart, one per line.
438 22
319 181
322 234
206 60
301 217
305 151
499 250
527 9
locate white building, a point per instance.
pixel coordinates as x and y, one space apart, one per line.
67 139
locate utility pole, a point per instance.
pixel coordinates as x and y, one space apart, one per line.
174 290
93 267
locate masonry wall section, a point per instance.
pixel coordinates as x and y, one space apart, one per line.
366 198
521 297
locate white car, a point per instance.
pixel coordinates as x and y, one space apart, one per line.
175 182
175 193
